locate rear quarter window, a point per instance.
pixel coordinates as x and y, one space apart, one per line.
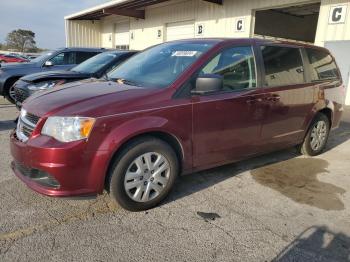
323 66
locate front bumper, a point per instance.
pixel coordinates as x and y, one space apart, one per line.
79 172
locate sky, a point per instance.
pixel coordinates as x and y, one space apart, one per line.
44 17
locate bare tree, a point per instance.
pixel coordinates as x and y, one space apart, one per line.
21 40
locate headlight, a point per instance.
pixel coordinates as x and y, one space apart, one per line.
68 129
44 85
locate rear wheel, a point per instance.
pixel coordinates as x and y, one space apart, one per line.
143 174
317 136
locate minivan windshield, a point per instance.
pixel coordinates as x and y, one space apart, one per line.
95 64
161 65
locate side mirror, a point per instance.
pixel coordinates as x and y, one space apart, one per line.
48 64
208 83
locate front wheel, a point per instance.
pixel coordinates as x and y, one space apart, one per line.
11 94
317 136
143 174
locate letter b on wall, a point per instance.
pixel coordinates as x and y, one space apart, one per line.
337 14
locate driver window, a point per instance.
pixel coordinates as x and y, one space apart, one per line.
236 65
66 58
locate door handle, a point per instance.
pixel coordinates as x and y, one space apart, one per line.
254 101
273 98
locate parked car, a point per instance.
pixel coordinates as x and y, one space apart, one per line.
21 56
95 67
33 56
59 59
173 109
12 59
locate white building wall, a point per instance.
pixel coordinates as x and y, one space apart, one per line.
108 28
217 20
83 33
332 32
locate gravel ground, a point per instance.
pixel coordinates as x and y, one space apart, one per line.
280 207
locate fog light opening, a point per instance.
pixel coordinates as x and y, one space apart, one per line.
38 176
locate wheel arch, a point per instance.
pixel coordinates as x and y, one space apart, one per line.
165 136
328 113
325 107
7 83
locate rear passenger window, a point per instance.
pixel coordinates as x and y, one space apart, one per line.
283 65
236 65
323 66
82 56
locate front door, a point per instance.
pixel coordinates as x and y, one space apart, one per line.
62 61
226 124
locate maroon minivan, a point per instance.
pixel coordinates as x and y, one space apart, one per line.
176 108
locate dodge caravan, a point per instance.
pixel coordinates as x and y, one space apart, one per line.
176 108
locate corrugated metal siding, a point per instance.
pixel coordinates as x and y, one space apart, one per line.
146 31
83 33
218 21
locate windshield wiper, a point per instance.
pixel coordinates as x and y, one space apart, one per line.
105 77
126 82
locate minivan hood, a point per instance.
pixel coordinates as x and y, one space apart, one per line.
37 77
92 98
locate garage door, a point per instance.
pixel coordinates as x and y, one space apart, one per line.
122 35
180 30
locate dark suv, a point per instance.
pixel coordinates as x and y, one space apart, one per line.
59 59
176 108
94 67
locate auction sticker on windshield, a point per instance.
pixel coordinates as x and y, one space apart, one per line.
184 53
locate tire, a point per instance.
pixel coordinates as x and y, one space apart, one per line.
9 95
317 136
134 182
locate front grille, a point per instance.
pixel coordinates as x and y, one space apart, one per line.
32 118
26 125
21 95
27 131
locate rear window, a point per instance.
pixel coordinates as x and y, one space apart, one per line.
82 56
323 66
283 65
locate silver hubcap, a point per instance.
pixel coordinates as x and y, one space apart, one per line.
318 135
146 177
12 93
